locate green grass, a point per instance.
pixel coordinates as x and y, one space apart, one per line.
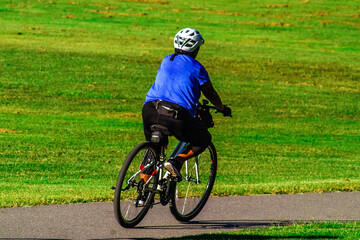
74 75
327 230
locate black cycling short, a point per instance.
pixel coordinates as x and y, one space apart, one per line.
182 125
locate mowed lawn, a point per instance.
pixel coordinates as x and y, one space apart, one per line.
74 74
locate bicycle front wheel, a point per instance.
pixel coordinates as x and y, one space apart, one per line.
133 197
198 180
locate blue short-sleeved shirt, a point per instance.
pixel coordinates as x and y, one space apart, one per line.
179 82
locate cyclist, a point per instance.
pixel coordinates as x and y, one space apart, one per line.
172 99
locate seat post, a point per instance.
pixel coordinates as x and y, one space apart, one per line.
162 152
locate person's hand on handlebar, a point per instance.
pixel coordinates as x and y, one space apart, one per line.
226 111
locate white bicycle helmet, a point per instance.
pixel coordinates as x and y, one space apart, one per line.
188 40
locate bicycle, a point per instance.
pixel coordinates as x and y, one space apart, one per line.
134 197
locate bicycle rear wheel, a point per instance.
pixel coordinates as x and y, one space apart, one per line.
133 197
198 180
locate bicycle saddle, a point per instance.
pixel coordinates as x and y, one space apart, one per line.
159 134
164 130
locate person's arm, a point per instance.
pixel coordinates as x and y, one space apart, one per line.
209 92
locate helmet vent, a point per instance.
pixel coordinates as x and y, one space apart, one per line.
188 40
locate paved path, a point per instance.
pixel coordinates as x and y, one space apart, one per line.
96 220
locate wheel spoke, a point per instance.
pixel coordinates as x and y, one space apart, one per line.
187 191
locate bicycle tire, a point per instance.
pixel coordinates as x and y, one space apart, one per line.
186 208
128 213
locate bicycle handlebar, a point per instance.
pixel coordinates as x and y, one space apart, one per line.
205 106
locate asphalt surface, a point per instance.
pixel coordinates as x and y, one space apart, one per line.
96 220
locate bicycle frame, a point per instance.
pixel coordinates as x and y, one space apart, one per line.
137 173
180 147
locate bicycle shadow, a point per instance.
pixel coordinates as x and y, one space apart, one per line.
227 225
220 224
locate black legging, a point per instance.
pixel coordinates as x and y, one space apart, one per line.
185 128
